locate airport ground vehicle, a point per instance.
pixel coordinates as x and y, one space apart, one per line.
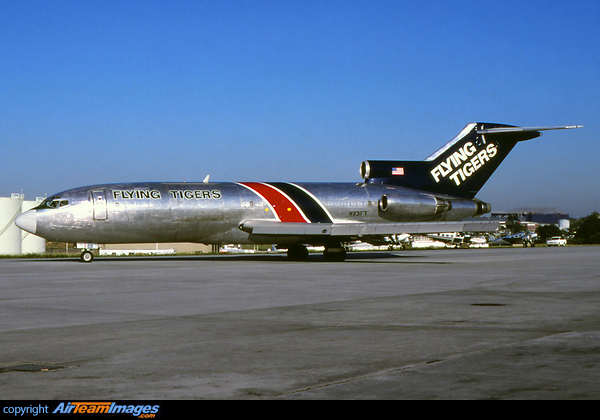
556 241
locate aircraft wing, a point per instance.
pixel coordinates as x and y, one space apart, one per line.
315 232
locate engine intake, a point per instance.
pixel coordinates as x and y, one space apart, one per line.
370 169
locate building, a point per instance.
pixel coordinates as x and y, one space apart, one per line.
156 248
14 241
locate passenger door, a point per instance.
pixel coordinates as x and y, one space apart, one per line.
99 199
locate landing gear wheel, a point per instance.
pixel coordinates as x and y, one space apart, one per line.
86 256
334 254
297 253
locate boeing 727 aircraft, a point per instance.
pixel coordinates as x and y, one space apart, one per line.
394 198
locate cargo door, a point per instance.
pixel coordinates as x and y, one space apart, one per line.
99 199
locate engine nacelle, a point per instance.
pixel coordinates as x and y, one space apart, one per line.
399 207
427 207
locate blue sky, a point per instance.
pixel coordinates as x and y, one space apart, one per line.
109 91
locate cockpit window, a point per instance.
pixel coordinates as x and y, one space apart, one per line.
53 203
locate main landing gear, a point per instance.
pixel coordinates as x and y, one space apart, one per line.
297 253
335 254
331 254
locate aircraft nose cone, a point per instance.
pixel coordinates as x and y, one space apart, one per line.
27 221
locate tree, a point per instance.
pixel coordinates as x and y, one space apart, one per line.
514 225
587 229
547 231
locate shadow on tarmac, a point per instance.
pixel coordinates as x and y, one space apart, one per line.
317 257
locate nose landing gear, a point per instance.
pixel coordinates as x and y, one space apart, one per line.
86 256
87 253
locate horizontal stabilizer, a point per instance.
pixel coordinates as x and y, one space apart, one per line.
524 129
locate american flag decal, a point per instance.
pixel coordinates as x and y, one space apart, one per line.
397 171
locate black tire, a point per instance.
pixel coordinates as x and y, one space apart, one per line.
86 256
297 253
334 254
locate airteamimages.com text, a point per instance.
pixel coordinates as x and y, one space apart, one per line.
142 411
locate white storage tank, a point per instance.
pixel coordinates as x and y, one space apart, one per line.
10 234
31 244
564 224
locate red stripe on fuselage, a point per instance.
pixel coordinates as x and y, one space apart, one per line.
284 208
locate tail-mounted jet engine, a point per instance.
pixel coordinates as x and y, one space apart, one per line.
427 207
376 169
393 206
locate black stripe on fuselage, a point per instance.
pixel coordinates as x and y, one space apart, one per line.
309 206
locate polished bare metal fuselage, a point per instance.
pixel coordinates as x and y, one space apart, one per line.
212 212
396 198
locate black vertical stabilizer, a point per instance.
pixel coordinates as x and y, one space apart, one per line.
461 167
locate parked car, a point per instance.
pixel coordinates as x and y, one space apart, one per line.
556 241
